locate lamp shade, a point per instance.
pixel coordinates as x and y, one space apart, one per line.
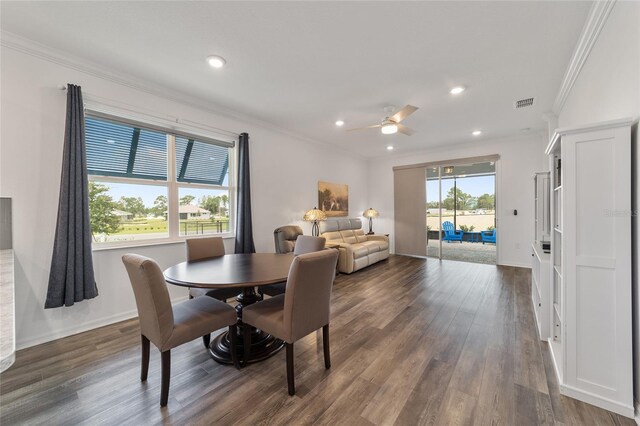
314 215
369 213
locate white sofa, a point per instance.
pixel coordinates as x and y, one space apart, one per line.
357 250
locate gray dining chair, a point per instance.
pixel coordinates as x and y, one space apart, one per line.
168 326
207 248
304 244
303 308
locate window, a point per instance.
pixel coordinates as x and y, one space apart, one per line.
146 183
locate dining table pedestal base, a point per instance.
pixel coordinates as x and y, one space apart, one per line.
263 345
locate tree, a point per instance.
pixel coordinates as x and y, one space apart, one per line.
159 206
225 200
487 201
101 211
211 203
463 200
133 205
187 199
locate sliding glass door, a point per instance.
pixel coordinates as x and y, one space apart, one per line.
461 212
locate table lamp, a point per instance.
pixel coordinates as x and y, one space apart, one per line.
370 214
314 215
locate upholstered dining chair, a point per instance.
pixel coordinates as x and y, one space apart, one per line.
302 309
304 244
206 248
169 326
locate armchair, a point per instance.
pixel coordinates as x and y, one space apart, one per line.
489 236
450 233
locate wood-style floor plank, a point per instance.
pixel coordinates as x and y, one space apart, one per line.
413 341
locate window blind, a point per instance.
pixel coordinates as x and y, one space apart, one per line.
127 150
115 149
200 162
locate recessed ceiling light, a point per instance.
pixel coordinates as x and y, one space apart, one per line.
390 148
476 132
339 123
216 61
457 90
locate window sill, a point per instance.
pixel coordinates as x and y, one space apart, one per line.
163 242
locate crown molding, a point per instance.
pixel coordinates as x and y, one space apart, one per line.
593 26
64 59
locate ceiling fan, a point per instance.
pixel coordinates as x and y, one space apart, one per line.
391 124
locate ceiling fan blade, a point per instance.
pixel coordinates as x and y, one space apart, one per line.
405 130
403 113
364 128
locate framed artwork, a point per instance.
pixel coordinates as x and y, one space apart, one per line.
333 198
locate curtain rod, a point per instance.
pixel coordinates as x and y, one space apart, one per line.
177 120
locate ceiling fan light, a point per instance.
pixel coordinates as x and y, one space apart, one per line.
389 129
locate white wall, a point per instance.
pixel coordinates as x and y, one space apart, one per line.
608 88
285 172
520 157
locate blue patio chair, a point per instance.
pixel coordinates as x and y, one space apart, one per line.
489 236
450 234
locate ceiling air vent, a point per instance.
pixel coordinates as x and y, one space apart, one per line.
523 103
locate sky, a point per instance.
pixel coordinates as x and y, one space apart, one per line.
475 186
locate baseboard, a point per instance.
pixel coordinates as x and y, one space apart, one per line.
86 326
515 265
598 401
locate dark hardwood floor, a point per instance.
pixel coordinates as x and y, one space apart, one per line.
413 341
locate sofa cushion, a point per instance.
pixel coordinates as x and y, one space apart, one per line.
359 251
349 236
382 245
372 246
360 237
332 236
332 225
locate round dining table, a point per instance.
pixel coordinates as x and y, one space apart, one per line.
244 272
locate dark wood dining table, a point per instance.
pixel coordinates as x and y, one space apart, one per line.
244 272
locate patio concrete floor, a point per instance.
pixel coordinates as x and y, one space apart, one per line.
466 252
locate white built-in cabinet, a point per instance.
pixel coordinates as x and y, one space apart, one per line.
541 261
590 279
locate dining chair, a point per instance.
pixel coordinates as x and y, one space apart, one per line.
201 249
302 309
168 326
304 244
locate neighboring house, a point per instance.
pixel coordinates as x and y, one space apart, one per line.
191 212
124 216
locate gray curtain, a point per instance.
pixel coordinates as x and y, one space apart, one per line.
71 278
244 228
